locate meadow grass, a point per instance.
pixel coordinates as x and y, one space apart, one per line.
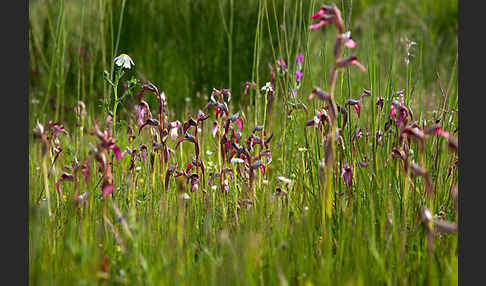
262 231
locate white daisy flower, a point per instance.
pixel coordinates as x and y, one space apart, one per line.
124 61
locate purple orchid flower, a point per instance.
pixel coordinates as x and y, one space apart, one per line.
328 15
293 93
237 119
356 104
282 64
300 58
64 177
174 128
348 41
351 60
107 189
191 139
347 173
107 141
142 111
298 75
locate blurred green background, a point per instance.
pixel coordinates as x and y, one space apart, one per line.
188 47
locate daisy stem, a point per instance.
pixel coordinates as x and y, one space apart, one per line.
115 106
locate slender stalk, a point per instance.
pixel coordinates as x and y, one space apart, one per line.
265 115
46 183
328 195
115 105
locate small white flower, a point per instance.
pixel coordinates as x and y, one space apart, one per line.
187 99
302 149
83 196
185 196
138 168
209 153
214 187
306 208
283 179
237 160
265 182
267 87
124 61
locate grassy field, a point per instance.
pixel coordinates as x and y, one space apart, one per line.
330 176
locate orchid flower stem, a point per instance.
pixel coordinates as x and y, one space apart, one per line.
423 165
265 129
220 149
154 166
404 212
197 147
201 148
46 184
328 195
